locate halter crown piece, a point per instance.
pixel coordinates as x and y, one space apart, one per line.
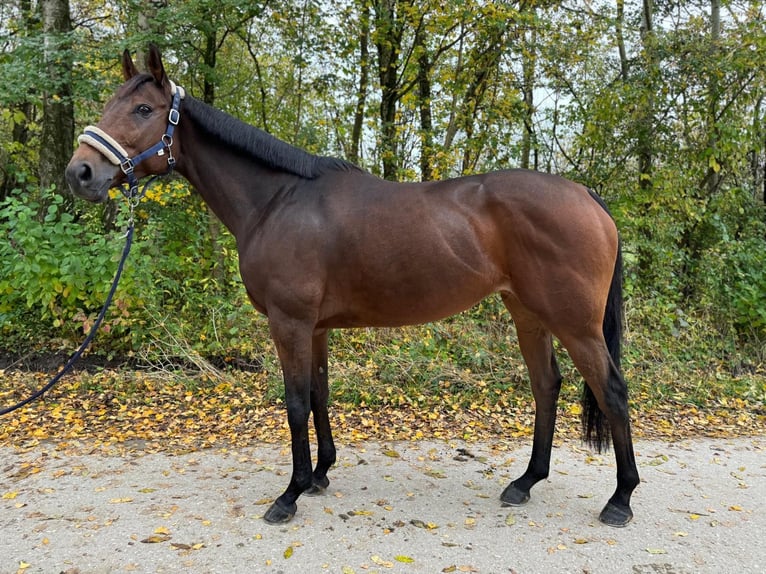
116 154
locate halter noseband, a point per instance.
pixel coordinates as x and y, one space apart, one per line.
116 154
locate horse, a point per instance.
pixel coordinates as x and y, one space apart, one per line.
323 244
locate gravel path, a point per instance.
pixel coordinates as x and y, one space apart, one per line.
397 507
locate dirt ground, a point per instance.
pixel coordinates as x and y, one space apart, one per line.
419 506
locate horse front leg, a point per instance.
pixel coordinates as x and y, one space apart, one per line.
537 348
293 342
320 393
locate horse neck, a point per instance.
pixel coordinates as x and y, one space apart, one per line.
236 188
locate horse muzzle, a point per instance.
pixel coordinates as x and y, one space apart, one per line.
90 179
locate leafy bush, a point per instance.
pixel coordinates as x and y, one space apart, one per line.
52 269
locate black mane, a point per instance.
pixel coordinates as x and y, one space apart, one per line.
262 146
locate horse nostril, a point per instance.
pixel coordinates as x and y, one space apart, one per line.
84 173
78 175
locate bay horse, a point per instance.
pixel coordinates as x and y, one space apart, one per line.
322 244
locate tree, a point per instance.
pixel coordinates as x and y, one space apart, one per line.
57 134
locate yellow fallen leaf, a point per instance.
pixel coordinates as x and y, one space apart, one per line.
735 508
288 552
347 570
380 562
391 453
10 495
580 540
656 551
404 559
161 530
360 513
120 500
510 520
156 539
23 565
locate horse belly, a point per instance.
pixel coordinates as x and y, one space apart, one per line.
408 286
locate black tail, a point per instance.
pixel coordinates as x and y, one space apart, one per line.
594 423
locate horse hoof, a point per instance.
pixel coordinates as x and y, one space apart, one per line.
278 514
514 496
318 487
617 516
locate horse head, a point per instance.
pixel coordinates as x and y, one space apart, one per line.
134 136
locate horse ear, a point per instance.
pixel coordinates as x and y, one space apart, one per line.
128 67
154 65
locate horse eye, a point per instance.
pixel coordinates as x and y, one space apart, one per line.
143 110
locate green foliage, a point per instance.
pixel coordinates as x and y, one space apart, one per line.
51 268
672 137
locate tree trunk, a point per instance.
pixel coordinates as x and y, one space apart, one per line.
619 27
57 135
527 88
364 73
713 175
424 104
644 144
388 42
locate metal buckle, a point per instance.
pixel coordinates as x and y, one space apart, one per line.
173 116
127 166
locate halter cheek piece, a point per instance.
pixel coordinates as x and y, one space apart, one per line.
116 154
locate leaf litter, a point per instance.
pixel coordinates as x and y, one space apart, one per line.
145 411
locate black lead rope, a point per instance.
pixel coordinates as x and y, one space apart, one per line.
91 334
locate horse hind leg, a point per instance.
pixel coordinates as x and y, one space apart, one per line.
326 453
536 345
610 393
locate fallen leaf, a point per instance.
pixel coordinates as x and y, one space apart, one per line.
391 453
10 495
656 551
360 513
288 552
120 500
380 562
580 540
156 539
404 559
510 520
